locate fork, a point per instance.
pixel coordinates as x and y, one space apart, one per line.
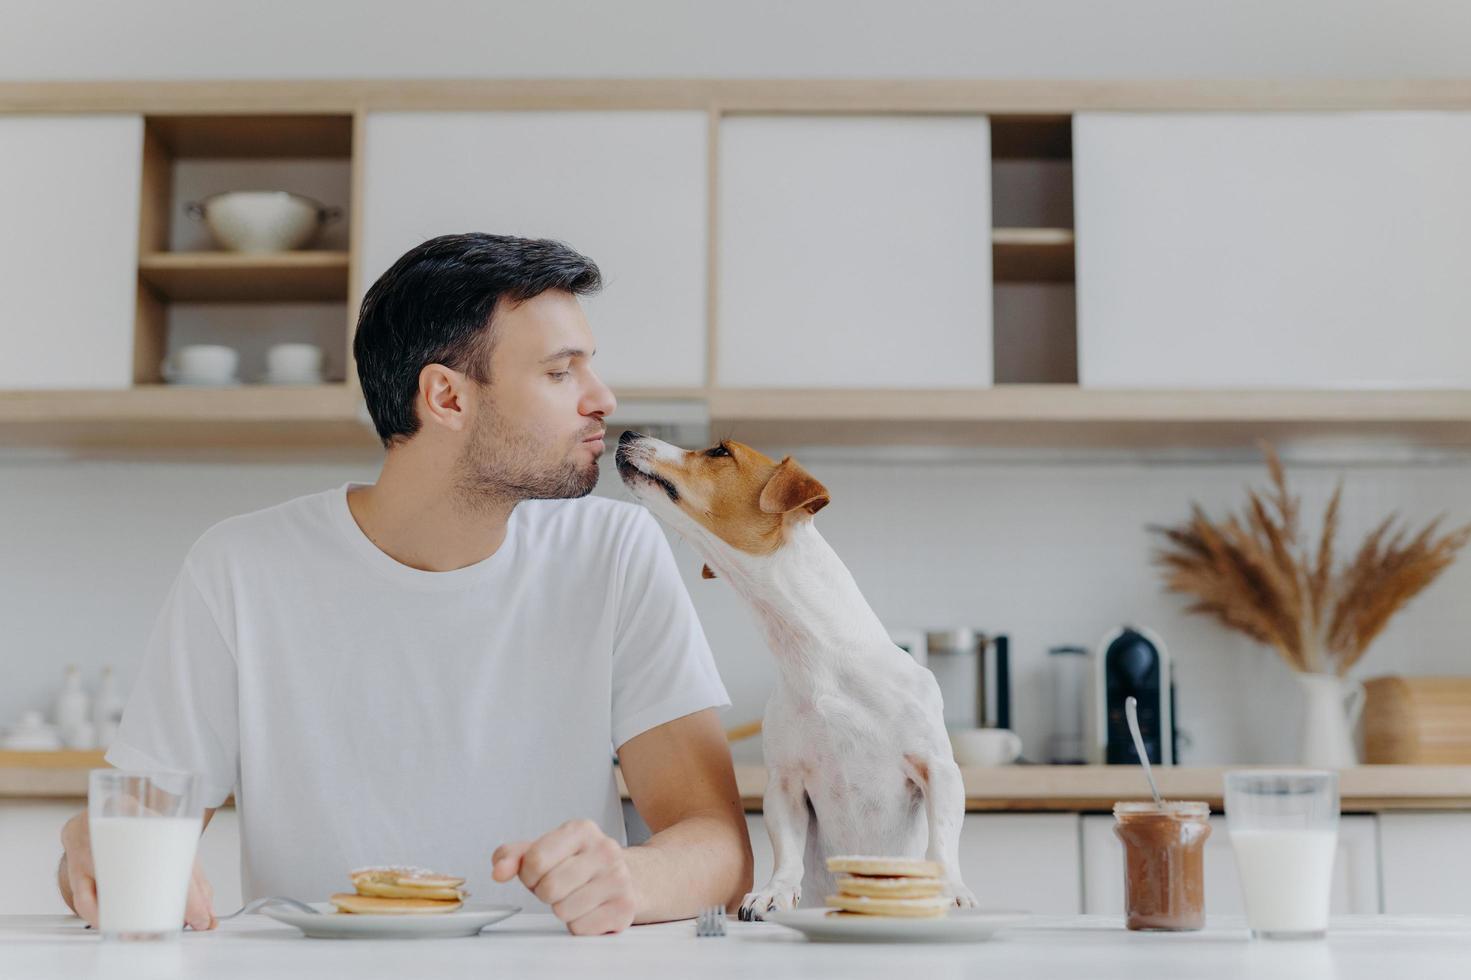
261 903
710 921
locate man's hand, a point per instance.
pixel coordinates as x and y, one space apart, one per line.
78 880
579 871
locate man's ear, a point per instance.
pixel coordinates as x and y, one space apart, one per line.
792 487
706 573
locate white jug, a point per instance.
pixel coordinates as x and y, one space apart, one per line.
1331 707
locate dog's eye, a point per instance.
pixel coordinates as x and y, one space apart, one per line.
719 450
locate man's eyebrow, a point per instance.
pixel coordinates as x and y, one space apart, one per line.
565 353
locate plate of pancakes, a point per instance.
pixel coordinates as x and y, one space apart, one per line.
892 900
394 902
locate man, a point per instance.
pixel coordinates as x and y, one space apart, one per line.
421 669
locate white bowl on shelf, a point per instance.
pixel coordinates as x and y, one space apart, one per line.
262 221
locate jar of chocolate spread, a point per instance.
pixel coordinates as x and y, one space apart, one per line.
1164 872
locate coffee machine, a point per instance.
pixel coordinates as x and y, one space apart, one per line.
1133 661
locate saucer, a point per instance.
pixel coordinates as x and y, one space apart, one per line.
292 379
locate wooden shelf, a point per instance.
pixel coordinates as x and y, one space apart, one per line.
1069 416
63 775
241 277
1032 254
168 417
331 417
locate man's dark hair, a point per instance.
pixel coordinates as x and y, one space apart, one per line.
434 305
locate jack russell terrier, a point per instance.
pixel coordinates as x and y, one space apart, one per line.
858 760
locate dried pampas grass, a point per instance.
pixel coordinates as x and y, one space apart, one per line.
1252 573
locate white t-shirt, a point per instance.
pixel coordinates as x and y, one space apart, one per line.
365 712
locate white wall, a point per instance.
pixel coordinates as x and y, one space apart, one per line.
73 39
1051 550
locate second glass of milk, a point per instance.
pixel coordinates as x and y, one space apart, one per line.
145 829
1284 830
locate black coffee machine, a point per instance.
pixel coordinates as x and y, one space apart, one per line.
1132 661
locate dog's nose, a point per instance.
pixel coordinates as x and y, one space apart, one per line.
629 436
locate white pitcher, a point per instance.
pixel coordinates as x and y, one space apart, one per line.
1331 707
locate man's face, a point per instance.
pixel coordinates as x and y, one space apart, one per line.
538 428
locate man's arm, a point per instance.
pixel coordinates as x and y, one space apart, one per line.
681 780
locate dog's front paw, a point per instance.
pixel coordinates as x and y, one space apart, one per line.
772 898
964 897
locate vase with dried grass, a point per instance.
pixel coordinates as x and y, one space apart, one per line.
1252 573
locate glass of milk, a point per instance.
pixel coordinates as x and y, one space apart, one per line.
145 828
1284 830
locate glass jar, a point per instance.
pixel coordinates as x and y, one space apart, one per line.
1164 868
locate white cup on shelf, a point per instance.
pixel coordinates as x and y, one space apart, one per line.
299 364
201 364
985 746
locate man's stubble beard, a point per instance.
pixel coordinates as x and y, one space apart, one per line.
501 463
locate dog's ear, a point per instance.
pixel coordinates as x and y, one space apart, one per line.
791 487
706 573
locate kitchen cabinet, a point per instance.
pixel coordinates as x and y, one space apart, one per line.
1273 249
1010 860
628 189
1426 862
854 252
1355 870
69 193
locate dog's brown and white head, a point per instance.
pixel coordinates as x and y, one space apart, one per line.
730 499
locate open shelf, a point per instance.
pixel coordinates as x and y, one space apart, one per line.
1032 254
253 137
237 277
1032 137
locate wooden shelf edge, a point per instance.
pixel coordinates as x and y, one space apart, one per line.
238 277
243 261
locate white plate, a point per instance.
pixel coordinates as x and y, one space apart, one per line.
959 926
465 921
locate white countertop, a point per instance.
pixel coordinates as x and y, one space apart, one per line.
1074 948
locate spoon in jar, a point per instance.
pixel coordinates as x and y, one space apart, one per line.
1131 711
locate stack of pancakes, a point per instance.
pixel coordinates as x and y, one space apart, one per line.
888 886
400 891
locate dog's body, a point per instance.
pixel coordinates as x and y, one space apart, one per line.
856 751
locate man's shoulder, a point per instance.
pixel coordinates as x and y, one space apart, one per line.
262 529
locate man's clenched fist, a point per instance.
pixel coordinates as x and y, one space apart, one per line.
579 871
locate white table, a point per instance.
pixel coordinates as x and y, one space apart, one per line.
1379 947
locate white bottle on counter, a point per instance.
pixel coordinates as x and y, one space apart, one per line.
73 715
107 709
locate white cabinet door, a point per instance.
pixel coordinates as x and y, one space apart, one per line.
69 196
854 252
30 849
1426 862
627 189
1273 249
1355 870
1026 861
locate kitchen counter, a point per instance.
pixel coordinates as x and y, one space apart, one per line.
57 947
63 775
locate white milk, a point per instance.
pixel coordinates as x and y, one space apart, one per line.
1286 876
143 867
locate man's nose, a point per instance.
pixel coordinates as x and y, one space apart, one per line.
599 400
